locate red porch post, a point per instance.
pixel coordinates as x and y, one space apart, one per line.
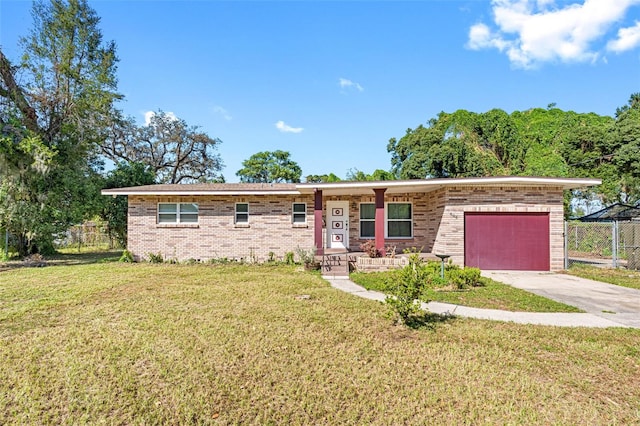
317 222
379 230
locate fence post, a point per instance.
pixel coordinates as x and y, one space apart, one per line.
614 243
566 244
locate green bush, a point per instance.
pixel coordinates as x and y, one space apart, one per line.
463 278
156 258
408 287
126 257
289 258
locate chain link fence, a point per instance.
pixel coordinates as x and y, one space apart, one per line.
606 244
88 234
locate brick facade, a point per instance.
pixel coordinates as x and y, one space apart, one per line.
438 222
215 236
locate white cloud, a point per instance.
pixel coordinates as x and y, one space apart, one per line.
285 128
149 114
348 84
218 110
531 32
628 38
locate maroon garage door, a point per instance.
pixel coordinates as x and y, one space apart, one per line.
507 241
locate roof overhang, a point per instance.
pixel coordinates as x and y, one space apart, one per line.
351 188
429 185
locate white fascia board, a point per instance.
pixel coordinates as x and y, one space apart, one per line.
566 183
193 193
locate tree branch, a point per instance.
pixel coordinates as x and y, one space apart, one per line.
15 93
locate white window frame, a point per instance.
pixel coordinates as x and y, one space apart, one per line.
179 214
360 220
387 220
236 213
294 213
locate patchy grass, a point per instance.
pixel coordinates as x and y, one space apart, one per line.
176 344
72 256
621 277
493 295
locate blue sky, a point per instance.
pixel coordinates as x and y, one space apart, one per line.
332 81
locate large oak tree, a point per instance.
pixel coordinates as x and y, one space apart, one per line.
54 102
174 151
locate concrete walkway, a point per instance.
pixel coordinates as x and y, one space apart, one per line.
590 319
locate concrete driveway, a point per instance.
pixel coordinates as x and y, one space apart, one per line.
615 303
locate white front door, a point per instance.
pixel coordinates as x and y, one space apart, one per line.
338 224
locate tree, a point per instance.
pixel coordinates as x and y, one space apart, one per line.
54 104
378 174
624 149
114 210
331 177
174 151
270 167
461 144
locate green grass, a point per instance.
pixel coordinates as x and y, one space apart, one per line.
493 295
112 343
621 277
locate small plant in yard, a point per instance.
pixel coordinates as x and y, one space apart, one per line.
155 258
369 248
271 257
409 287
463 278
127 257
289 258
390 251
308 257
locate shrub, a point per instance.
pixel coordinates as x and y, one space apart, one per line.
464 278
271 257
156 258
288 258
126 257
410 283
369 248
307 257
390 251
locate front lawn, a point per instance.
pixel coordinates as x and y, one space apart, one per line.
492 295
111 343
620 276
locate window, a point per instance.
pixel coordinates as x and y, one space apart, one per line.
299 213
177 213
242 213
399 220
367 220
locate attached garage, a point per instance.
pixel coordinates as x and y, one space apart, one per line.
507 241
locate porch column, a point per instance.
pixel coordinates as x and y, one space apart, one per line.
379 230
317 222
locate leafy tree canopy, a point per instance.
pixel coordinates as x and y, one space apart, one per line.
378 174
174 151
53 106
537 142
114 209
322 178
270 167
